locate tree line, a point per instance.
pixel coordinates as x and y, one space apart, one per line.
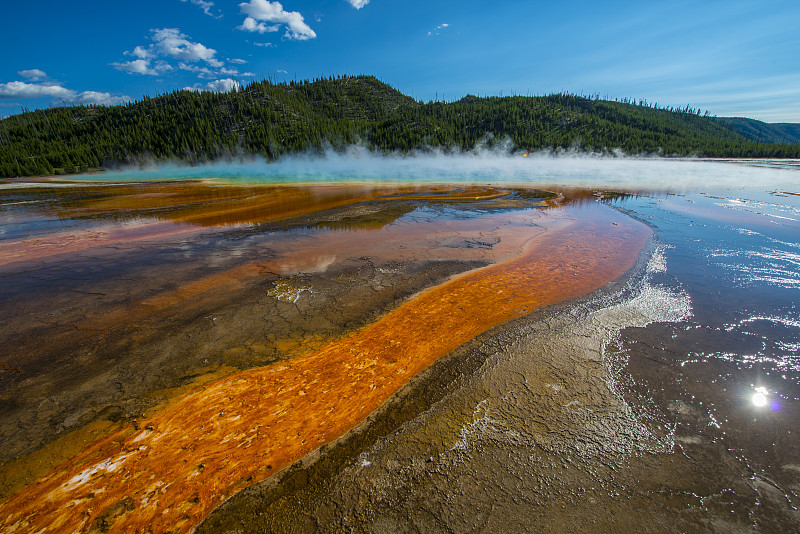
273 119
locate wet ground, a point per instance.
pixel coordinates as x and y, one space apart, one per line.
637 407
108 311
116 305
667 403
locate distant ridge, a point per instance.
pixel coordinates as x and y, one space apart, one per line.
784 133
270 120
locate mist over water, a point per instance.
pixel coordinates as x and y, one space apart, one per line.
496 166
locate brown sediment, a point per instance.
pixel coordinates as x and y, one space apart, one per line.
307 254
92 332
177 466
36 248
30 468
165 211
224 205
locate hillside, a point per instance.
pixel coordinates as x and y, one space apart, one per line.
763 132
273 119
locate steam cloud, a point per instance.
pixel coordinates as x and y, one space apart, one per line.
485 166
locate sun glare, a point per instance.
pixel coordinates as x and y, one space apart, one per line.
760 397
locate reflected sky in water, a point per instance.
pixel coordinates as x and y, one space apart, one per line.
729 233
736 360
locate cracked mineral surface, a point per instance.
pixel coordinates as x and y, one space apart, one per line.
108 311
667 402
386 358
204 446
115 319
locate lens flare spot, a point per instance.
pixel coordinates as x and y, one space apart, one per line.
760 397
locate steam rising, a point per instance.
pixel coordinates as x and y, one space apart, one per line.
496 166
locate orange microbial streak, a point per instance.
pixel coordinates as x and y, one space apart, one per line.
170 471
225 205
153 212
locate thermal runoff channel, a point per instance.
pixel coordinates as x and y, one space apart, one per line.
201 447
168 343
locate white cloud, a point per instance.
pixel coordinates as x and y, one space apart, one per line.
358 4
33 75
142 66
202 72
97 98
137 66
172 43
265 45
438 29
32 90
61 95
141 53
252 25
237 61
224 85
205 6
205 72
260 12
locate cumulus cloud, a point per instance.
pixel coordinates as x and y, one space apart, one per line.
59 94
33 90
264 16
97 98
224 85
252 25
171 44
358 4
205 72
33 75
205 6
202 72
141 52
142 66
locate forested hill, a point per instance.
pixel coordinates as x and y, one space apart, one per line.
780 133
273 119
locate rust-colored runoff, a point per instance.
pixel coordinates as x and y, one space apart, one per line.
170 471
153 212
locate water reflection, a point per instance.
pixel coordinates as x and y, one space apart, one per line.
171 281
316 398
94 275
217 205
728 378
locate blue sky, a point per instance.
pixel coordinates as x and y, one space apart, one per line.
734 58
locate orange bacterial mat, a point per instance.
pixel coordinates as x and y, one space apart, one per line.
169 472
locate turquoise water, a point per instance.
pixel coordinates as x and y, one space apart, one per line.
478 167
